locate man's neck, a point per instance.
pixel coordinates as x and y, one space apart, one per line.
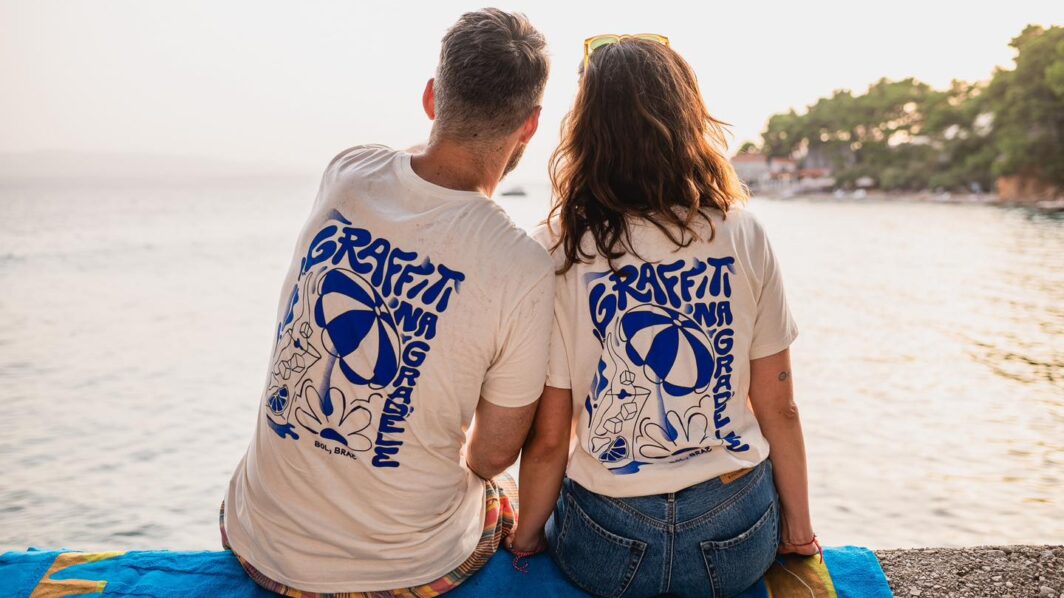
457 166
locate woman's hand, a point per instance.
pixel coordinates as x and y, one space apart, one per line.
523 543
804 549
801 541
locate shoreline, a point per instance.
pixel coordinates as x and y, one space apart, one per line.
999 571
929 197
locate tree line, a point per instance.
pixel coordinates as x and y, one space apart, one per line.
906 135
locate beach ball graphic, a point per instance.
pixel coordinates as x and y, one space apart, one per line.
672 349
357 328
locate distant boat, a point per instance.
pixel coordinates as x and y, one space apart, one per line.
514 192
1051 205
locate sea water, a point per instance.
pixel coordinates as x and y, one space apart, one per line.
137 319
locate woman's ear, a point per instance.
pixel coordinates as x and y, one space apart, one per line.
531 125
428 99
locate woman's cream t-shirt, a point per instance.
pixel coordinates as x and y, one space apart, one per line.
657 355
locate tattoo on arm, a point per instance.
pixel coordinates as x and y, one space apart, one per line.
783 376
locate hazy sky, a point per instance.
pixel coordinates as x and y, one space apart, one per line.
292 83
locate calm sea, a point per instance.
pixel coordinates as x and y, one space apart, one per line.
136 328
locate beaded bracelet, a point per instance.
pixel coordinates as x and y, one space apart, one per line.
518 555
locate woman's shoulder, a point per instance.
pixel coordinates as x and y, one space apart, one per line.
742 223
741 216
547 235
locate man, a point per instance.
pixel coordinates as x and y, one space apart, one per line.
412 302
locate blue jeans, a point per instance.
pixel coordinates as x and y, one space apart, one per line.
711 539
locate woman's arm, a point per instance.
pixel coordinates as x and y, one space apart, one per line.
543 462
772 397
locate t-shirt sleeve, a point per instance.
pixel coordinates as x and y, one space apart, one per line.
558 362
774 327
558 357
515 378
346 159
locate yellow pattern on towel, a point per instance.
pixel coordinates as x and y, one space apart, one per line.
794 576
55 588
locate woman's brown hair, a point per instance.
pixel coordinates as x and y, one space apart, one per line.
639 142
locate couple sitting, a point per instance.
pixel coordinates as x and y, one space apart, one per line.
424 342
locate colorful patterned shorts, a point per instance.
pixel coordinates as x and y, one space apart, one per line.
501 515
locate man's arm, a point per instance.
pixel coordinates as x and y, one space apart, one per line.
514 381
497 436
772 397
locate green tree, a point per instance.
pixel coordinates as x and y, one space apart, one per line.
1027 103
748 147
875 134
906 135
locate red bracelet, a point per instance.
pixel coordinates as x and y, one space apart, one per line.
819 549
518 555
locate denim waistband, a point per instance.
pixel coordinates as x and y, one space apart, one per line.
688 507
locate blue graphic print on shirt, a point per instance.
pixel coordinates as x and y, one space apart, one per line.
364 310
663 381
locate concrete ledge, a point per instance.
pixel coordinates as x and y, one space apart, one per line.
998 571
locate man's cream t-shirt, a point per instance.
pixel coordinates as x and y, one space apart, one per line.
405 304
657 355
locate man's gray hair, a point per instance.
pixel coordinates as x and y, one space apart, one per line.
493 68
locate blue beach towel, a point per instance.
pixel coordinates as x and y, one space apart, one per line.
847 572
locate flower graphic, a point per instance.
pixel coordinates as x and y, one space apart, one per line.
693 433
332 417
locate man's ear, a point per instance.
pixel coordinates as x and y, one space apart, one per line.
531 125
428 99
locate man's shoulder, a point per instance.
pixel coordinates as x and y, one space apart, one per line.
359 157
512 249
535 259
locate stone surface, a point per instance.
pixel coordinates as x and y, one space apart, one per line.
983 571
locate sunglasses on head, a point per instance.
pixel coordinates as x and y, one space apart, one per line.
594 43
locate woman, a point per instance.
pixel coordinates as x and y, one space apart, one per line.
669 314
